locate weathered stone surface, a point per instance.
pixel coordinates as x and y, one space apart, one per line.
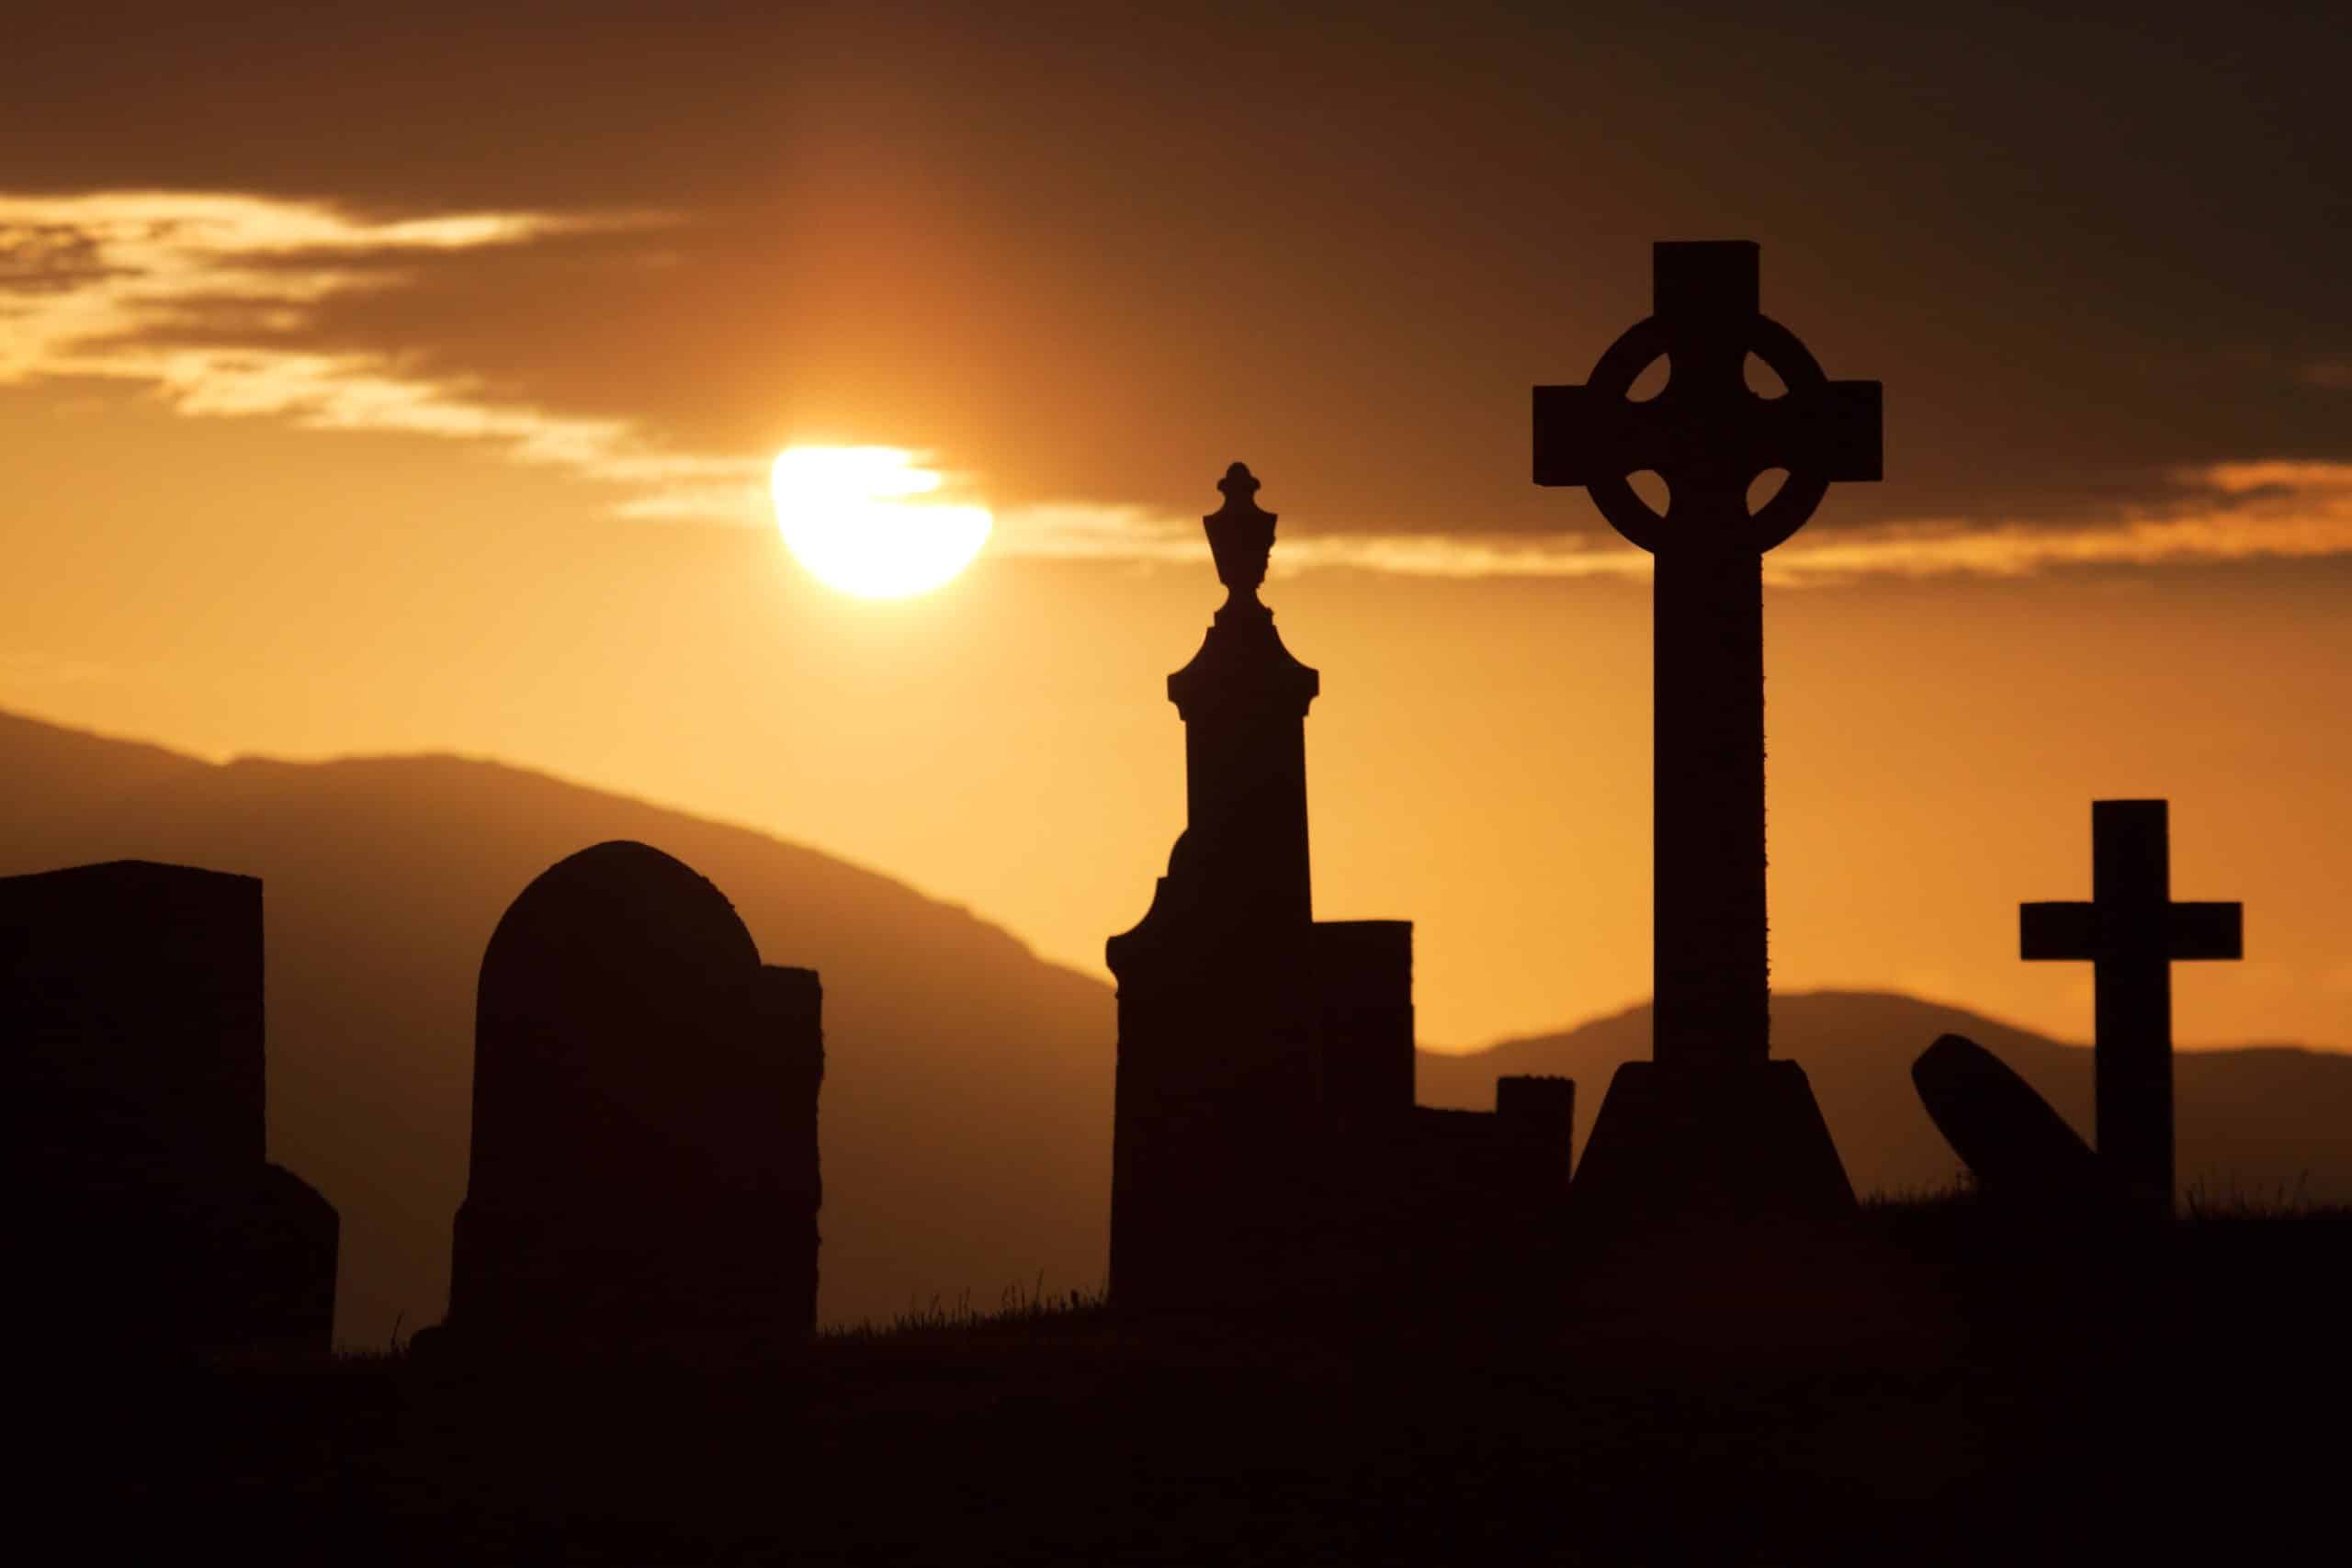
131 1005
644 1154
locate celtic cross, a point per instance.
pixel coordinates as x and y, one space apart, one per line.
1709 437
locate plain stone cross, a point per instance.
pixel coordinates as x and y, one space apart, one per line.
2132 933
1709 437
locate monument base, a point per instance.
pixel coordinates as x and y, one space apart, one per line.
1686 1145
1710 1209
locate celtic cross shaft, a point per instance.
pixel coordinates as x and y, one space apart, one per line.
1709 437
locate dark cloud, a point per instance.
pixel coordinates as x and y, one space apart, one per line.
48 258
1096 256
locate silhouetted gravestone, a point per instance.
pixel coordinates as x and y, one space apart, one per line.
1536 1115
1711 1123
1218 1071
1365 974
644 1155
2021 1151
2132 933
1265 1145
130 1006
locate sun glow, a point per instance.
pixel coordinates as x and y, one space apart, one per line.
851 516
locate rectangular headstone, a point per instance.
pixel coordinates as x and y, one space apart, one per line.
130 1002
131 1026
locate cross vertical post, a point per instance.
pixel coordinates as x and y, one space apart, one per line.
2132 933
1711 1140
1709 437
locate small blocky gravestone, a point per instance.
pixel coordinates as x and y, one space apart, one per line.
2132 933
2021 1152
150 1220
1711 1125
644 1155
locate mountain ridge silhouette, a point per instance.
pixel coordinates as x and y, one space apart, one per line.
383 879
965 1117
2254 1120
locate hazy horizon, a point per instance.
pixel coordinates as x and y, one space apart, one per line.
2078 1037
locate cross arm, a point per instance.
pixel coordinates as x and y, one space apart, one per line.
2057 930
1833 431
1583 437
2206 930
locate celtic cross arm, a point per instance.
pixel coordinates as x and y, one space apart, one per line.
1707 434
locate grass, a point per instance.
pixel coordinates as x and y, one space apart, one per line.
2089 1411
2205 1202
1017 1308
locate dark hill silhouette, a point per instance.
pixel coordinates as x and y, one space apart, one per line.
967 1113
2263 1119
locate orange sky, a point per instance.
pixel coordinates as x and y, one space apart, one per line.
439 423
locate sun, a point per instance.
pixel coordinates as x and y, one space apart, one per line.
853 516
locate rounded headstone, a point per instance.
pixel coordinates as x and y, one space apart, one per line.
643 1155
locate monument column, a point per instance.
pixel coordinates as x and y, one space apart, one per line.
1218 1070
1243 700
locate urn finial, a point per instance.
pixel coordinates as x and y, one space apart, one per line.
1241 535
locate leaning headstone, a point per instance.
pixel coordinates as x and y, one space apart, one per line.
2132 933
644 1157
131 1010
2019 1151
